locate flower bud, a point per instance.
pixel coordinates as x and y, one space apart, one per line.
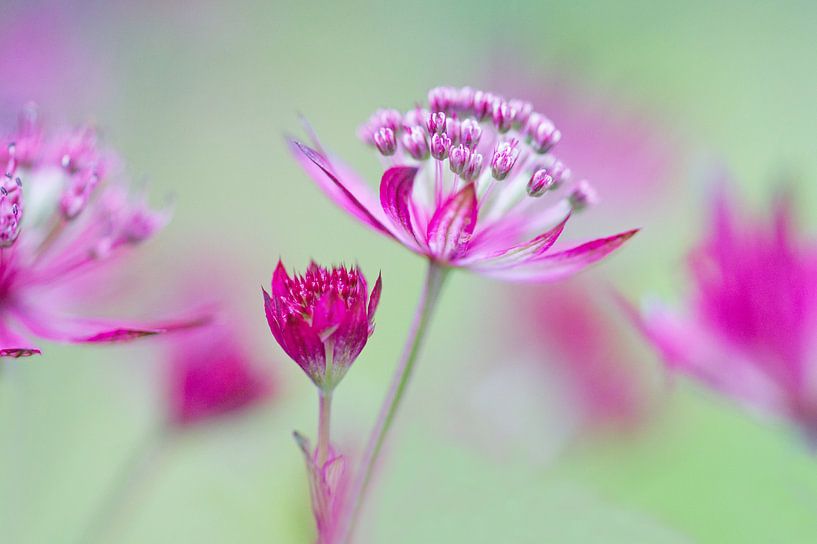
504 158
415 143
440 144
385 141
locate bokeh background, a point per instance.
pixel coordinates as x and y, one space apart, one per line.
198 96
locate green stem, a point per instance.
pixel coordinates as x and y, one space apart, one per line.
324 416
435 278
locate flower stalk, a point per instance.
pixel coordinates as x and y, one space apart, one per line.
435 278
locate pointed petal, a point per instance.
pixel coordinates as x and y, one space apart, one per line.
280 280
351 198
452 225
521 252
351 336
396 187
78 330
554 266
688 346
374 301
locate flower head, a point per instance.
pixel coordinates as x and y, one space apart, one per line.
322 319
483 211
211 375
748 329
63 217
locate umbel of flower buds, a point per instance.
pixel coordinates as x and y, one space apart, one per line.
322 319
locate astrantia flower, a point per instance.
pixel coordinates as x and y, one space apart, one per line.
211 375
748 330
470 182
62 219
322 319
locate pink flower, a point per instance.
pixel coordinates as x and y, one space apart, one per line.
322 319
464 185
211 375
748 328
62 220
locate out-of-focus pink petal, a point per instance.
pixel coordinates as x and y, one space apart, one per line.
453 223
72 329
554 266
690 347
395 196
319 169
13 344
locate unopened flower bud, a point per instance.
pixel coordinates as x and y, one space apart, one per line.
414 141
385 141
458 158
470 133
504 159
502 115
582 196
544 136
440 144
435 123
474 168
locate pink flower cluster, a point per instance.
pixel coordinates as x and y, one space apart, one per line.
64 216
464 185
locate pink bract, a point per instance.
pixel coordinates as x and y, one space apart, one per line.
64 219
469 182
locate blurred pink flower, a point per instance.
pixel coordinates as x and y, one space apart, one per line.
574 330
212 375
63 218
748 328
485 211
322 319
48 58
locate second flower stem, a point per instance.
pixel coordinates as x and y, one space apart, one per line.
435 278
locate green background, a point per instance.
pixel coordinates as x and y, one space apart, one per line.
200 96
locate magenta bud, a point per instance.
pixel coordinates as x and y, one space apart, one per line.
440 144
385 141
483 103
504 159
502 115
11 210
523 111
442 98
458 158
540 182
470 133
582 196
435 123
415 143
474 168
545 136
